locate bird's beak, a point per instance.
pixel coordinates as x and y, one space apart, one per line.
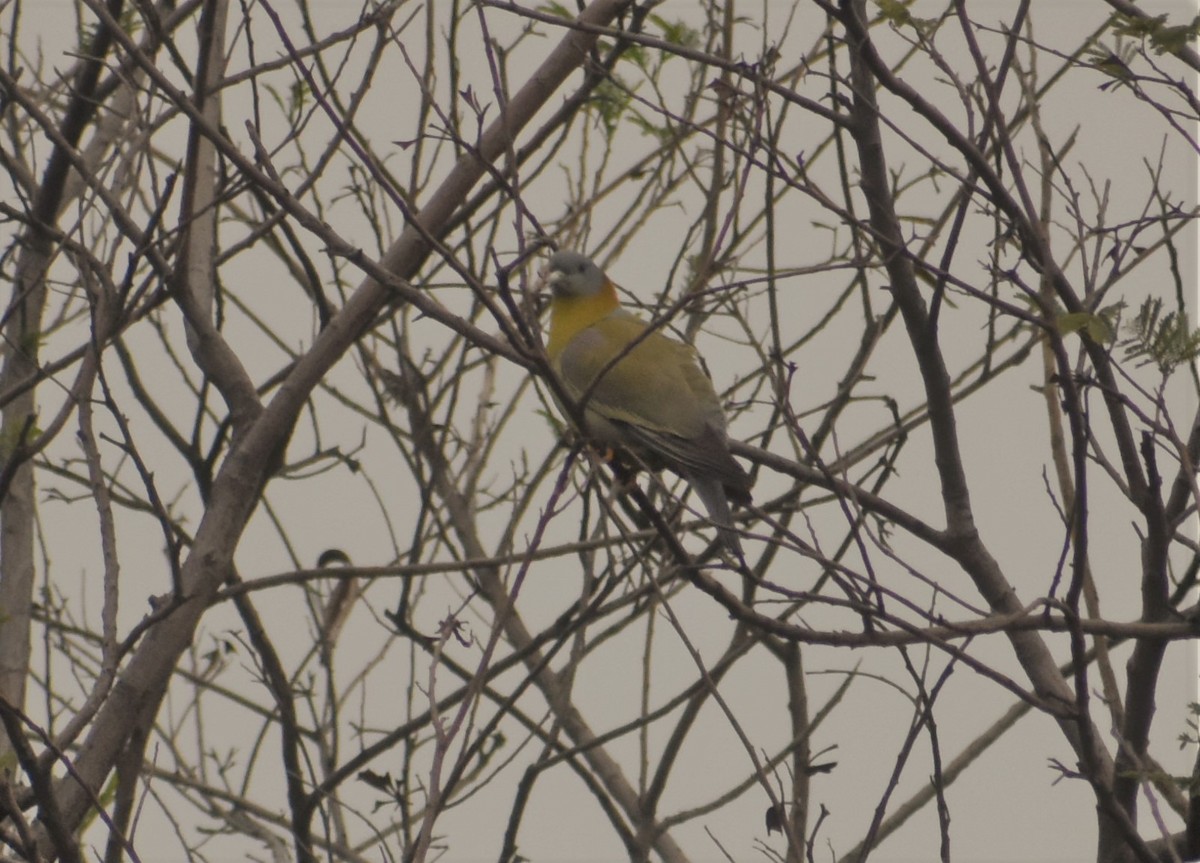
556 281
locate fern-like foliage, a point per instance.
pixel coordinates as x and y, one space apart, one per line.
1162 37
1166 340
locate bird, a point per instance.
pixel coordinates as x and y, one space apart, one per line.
641 390
775 815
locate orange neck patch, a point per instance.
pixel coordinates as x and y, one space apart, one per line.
569 315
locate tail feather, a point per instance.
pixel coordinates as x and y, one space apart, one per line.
712 495
705 455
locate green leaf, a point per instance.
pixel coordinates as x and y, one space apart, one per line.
1136 26
677 32
15 435
1165 340
1089 324
104 798
609 101
1163 38
556 9
1114 62
895 12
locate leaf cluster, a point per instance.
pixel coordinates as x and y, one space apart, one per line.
1163 339
1162 37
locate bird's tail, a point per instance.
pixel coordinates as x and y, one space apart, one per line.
712 494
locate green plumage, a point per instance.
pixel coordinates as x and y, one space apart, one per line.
641 389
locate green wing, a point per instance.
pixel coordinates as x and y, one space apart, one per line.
655 381
654 391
